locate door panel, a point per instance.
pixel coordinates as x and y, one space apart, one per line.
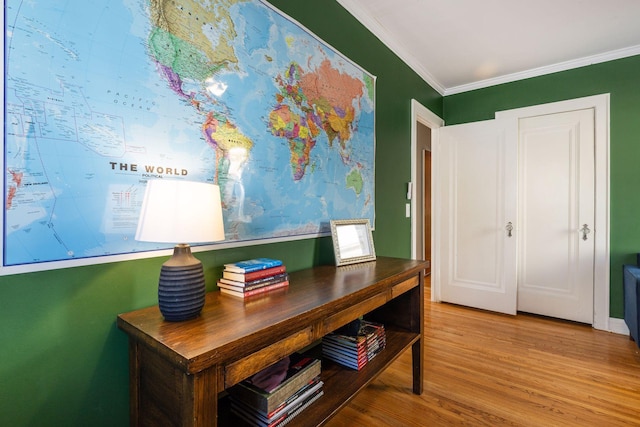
477 190
556 197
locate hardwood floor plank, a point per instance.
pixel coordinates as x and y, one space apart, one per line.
488 369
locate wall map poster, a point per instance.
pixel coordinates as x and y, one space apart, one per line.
103 95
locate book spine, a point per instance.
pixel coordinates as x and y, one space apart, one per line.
266 288
245 289
255 283
347 351
249 266
301 408
248 277
349 363
255 291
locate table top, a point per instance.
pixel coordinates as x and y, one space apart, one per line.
227 322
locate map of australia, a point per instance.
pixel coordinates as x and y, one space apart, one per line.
229 92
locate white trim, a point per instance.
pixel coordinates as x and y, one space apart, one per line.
618 326
152 253
541 71
600 104
421 114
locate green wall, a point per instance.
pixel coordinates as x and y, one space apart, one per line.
621 79
62 359
64 362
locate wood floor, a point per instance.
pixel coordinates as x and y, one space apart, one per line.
486 369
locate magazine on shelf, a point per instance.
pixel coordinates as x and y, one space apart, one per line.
343 360
347 352
368 332
368 342
282 416
366 348
349 361
250 265
293 372
355 351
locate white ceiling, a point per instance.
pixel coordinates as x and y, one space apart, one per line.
460 45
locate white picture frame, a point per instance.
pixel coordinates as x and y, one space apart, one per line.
352 241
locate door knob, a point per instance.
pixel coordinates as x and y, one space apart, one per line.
509 229
585 230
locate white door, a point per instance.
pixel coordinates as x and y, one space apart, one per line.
477 188
500 251
556 215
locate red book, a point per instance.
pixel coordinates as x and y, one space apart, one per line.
256 283
247 277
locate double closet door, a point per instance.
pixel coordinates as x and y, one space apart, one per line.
516 210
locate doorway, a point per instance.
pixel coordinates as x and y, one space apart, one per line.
419 194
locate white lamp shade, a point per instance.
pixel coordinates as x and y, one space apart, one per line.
175 211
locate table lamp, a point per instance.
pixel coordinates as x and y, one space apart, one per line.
176 211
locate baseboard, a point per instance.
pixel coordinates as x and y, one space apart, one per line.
618 326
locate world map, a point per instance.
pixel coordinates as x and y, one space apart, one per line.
102 96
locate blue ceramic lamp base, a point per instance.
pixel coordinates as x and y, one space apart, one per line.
181 288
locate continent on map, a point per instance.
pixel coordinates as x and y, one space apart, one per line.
192 43
355 181
309 101
224 138
300 130
211 30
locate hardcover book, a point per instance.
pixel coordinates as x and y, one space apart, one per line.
235 288
254 275
250 265
243 293
270 388
255 283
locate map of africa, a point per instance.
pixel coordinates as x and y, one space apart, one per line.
102 96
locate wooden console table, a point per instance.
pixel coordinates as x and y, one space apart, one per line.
179 371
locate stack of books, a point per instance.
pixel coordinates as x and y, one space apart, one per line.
253 276
275 395
354 351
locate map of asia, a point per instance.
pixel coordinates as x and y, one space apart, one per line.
102 96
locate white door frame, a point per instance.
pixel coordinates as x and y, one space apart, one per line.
600 104
421 114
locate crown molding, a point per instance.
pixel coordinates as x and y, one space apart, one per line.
383 35
540 71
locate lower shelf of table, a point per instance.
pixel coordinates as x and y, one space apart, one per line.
340 384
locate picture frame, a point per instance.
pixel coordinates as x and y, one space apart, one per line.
352 241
